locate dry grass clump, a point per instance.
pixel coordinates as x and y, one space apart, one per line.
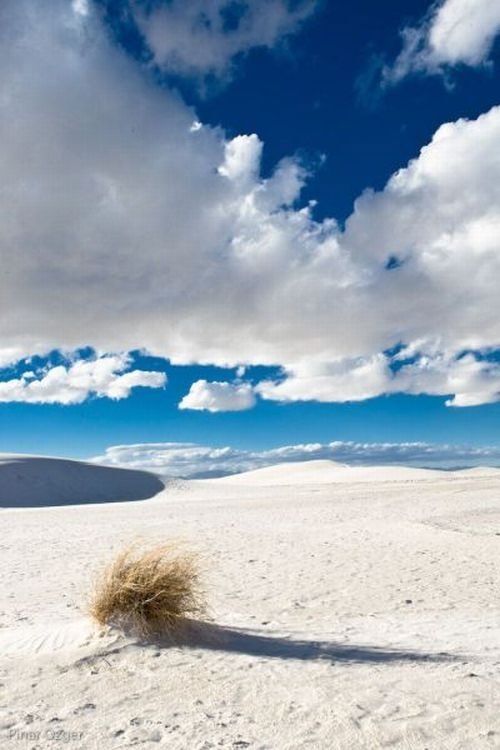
151 591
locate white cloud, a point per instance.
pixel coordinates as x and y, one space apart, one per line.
73 383
81 7
191 460
203 37
216 396
242 157
124 229
456 32
473 381
9 355
345 380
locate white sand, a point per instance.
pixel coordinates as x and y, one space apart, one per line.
358 613
326 472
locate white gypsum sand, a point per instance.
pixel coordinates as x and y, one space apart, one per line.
352 608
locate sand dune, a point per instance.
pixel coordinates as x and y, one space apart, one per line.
301 472
480 471
34 481
346 614
325 472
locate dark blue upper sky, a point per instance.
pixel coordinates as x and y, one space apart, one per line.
320 96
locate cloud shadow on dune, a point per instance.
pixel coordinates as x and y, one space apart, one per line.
255 643
34 482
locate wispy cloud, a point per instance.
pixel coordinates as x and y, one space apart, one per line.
454 32
200 38
187 460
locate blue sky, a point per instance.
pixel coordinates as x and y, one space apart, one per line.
250 224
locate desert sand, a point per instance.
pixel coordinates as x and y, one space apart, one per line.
351 608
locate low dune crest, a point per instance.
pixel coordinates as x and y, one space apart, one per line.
326 472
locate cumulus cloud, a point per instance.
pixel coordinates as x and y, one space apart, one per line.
217 396
473 381
345 380
126 228
73 383
9 355
455 32
203 37
189 460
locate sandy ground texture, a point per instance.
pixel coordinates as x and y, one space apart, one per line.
352 608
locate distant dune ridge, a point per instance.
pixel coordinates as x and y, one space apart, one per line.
326 472
35 481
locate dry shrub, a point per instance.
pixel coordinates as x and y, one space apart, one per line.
151 591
